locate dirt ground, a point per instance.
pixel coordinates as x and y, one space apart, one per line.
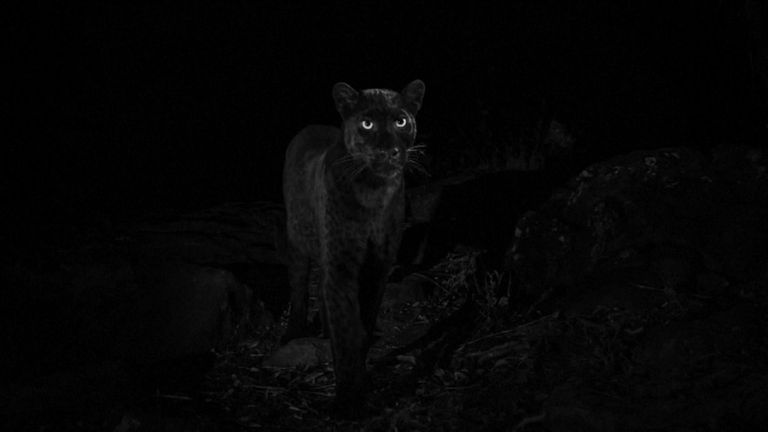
634 358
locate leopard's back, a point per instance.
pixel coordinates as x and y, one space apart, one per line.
303 188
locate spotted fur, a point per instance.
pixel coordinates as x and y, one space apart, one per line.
344 197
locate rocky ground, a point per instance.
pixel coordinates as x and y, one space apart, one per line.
632 297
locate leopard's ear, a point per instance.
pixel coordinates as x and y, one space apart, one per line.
412 95
345 97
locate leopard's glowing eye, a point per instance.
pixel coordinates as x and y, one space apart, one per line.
401 122
366 124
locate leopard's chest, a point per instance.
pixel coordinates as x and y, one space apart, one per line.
375 228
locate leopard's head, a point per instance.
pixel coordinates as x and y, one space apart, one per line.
379 127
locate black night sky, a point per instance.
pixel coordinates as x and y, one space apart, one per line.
117 109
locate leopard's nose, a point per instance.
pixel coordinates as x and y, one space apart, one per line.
388 154
383 155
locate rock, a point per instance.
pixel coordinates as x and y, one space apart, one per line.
478 211
659 256
181 310
154 297
246 239
305 352
663 219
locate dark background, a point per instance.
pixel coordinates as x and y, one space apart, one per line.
118 110
119 114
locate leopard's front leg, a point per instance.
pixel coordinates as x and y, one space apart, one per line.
341 300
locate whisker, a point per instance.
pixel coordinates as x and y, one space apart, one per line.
344 159
357 171
414 165
351 166
414 156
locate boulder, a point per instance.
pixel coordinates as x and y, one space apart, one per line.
152 299
668 219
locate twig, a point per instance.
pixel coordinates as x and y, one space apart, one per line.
513 330
174 397
529 420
